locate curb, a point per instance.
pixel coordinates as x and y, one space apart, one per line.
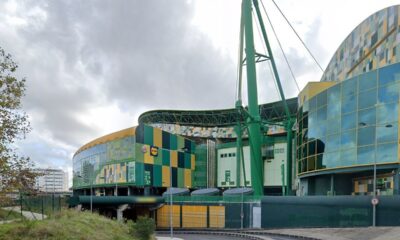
246 234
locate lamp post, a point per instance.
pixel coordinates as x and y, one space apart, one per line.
362 124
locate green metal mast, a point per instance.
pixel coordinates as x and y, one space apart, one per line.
253 119
289 122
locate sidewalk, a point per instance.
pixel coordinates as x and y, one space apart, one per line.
27 214
369 233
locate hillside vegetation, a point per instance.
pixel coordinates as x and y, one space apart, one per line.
69 225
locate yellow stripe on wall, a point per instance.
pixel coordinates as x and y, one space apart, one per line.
166 176
157 137
193 162
174 159
188 178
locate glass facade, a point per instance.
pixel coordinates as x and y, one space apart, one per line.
355 122
88 163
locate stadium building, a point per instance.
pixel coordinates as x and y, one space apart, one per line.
346 124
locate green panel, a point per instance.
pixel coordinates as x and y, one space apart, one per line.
139 153
199 176
188 163
139 174
148 135
165 157
159 159
157 175
181 143
181 177
173 142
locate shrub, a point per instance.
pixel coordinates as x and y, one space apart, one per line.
143 228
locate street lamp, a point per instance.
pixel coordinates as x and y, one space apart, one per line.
363 124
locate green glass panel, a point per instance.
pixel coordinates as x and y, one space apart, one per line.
157 175
139 153
181 143
159 158
173 142
181 177
187 160
148 135
165 157
139 174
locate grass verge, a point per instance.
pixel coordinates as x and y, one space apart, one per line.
6 215
67 225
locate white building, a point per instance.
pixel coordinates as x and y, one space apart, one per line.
52 180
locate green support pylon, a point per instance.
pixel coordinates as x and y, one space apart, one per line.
289 122
253 120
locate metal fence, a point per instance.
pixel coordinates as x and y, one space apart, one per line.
33 207
210 212
329 211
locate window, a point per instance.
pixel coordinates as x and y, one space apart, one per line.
367 81
350 104
367 116
388 93
384 113
367 99
348 121
349 87
348 156
321 99
387 133
348 139
389 74
366 136
387 153
365 155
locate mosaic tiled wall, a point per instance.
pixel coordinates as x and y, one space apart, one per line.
371 45
210 132
146 159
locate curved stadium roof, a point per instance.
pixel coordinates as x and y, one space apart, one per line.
273 112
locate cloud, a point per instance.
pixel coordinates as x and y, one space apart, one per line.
135 55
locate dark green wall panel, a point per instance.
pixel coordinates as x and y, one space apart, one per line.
188 161
148 135
181 177
173 142
157 175
166 157
139 168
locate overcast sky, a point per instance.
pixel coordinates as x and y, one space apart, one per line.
93 67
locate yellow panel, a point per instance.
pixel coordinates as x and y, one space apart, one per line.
193 162
194 216
312 89
163 216
157 137
165 176
217 216
174 158
356 186
148 158
188 178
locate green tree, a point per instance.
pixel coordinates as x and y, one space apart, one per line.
15 171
